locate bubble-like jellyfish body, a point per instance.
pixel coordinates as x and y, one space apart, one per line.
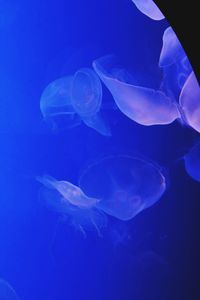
6 291
192 162
190 101
149 8
56 103
70 100
87 99
69 201
145 106
174 63
125 185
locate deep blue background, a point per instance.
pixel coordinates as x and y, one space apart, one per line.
41 41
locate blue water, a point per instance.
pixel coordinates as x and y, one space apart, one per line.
155 255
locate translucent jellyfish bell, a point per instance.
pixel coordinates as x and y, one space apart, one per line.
174 63
87 99
70 201
55 103
125 185
149 8
172 50
69 100
145 106
190 101
6 291
192 162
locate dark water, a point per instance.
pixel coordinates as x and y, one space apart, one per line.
155 255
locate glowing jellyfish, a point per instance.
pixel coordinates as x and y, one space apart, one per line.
125 185
55 103
70 201
174 63
145 106
70 100
192 162
190 101
6 291
87 99
149 8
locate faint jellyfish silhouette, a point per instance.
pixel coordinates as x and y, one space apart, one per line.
69 100
6 291
125 185
56 106
192 162
190 101
145 106
87 99
70 201
174 63
149 8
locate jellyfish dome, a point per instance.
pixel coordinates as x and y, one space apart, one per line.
143 105
174 63
125 185
192 162
6 291
87 99
55 103
149 8
68 101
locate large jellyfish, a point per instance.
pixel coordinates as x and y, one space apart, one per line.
69 100
145 106
6 291
70 201
149 8
125 185
192 162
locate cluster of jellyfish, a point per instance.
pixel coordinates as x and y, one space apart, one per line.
128 184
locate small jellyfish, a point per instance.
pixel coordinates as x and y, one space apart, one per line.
70 201
192 162
143 105
149 8
174 63
55 103
6 291
190 102
125 185
87 99
74 99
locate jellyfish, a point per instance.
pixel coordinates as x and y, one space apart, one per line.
87 99
74 99
149 8
72 203
190 102
174 63
192 162
143 105
179 80
125 185
55 103
6 291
